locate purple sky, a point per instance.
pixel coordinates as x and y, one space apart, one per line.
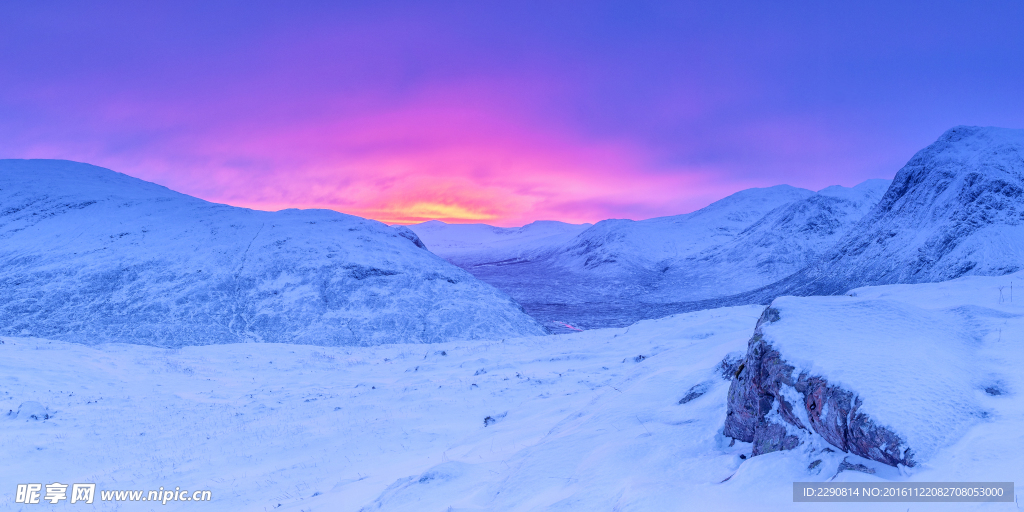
501 112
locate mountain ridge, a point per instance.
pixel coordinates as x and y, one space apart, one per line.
964 197
618 271
91 255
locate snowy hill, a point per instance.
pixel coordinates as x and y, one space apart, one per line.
627 418
91 255
467 245
955 209
620 247
620 271
782 242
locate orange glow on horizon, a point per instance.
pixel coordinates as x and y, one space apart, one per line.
424 211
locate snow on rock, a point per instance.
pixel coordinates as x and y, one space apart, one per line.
90 255
891 373
765 390
31 411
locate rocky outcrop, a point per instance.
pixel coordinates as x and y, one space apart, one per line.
770 402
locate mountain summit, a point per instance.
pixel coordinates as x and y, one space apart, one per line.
955 209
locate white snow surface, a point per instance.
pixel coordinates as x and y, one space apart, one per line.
91 255
577 421
778 244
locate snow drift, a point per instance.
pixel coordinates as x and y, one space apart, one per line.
90 255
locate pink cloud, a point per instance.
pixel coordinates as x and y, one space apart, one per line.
465 152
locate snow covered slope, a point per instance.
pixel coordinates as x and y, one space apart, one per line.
617 247
956 208
467 245
782 242
90 255
627 419
620 271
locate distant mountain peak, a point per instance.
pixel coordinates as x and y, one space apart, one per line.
956 208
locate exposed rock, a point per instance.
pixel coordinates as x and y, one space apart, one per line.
849 466
766 402
33 411
695 392
408 234
730 363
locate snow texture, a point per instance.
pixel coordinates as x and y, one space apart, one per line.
90 255
580 421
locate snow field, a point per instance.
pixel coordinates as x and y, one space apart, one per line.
268 424
576 421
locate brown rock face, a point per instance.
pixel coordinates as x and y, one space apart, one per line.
834 413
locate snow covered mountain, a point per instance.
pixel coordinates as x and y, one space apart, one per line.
955 209
467 245
782 242
91 255
620 271
621 247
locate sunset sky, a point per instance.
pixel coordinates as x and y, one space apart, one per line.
500 112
